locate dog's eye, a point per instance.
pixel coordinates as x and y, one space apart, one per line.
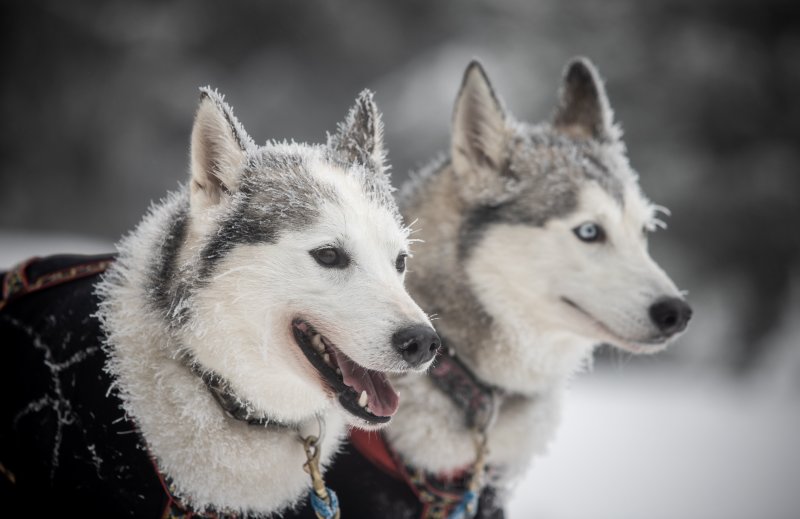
331 257
400 262
590 232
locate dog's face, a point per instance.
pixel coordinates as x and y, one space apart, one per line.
556 237
298 256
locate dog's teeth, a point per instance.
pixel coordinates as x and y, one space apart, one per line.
338 371
362 400
327 359
316 341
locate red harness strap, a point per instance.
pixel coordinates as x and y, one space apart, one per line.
439 495
173 508
372 446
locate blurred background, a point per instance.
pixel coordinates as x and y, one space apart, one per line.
97 100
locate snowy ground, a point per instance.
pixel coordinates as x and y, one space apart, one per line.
654 443
636 442
16 246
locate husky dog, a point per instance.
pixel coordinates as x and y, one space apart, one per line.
535 251
262 302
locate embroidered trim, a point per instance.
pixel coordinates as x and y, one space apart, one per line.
16 283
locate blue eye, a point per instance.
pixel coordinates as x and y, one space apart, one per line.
590 232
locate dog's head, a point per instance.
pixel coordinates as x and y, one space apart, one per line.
556 228
295 259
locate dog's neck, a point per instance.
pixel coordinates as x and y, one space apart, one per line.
233 405
477 400
526 421
214 461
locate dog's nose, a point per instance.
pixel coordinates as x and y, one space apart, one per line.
670 315
417 344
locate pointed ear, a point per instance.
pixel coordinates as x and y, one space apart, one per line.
480 133
583 109
360 137
218 151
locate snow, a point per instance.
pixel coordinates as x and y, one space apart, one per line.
16 246
667 443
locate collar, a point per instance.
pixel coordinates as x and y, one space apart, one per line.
475 398
232 405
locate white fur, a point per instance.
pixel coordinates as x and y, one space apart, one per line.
519 273
430 432
212 459
615 282
263 287
239 324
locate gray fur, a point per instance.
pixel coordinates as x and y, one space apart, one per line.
277 194
584 111
503 174
537 175
359 140
164 291
274 193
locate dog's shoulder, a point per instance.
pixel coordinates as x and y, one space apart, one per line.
66 444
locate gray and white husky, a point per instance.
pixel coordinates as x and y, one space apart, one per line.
270 285
535 251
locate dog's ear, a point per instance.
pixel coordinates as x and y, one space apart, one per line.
360 137
219 145
583 111
480 135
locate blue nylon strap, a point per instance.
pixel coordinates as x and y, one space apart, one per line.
323 509
467 508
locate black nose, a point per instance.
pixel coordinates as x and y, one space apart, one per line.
670 315
417 344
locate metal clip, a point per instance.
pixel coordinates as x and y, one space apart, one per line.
312 444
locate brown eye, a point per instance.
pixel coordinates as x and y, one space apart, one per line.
400 262
331 257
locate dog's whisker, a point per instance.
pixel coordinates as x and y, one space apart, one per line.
661 209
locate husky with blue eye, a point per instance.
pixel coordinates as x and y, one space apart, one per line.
261 303
535 252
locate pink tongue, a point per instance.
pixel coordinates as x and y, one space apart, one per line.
381 397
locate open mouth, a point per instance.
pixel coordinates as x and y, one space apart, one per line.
363 392
634 346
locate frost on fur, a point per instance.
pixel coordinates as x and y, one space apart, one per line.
214 279
359 141
360 137
219 145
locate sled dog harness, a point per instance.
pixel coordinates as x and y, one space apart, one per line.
21 281
16 282
453 495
